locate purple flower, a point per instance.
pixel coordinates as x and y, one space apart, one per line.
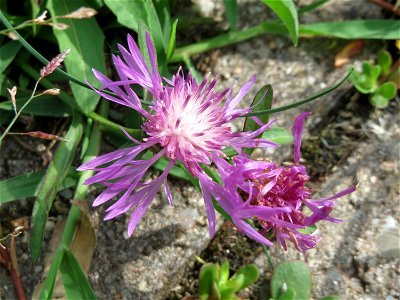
275 197
186 121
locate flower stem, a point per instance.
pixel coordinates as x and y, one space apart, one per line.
106 124
301 102
81 189
266 252
19 112
230 38
40 57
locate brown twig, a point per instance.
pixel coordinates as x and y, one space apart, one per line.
386 5
9 261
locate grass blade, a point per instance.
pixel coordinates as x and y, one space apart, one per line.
75 281
56 172
355 29
231 11
28 185
286 11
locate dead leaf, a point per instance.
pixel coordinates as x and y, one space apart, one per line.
350 50
82 248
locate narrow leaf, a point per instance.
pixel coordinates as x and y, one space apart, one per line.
172 40
48 106
56 172
286 11
28 185
354 29
47 288
75 281
231 11
86 41
310 7
208 275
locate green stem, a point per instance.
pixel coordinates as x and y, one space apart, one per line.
82 190
301 102
107 124
266 252
40 57
19 112
230 38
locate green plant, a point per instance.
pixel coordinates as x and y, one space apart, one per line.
215 283
377 80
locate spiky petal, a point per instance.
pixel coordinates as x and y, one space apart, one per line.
187 121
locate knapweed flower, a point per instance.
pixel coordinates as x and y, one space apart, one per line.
275 196
186 121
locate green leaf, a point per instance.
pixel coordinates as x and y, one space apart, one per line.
385 61
250 275
387 90
56 172
355 29
278 135
286 11
28 185
224 273
48 106
228 294
86 41
262 101
215 293
379 101
375 72
208 275
75 281
8 52
231 11
290 294
330 297
235 282
312 6
131 13
163 8
172 40
48 285
309 229
295 275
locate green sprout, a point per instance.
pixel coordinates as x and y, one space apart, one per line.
380 81
215 283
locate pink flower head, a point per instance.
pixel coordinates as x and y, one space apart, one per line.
188 122
276 197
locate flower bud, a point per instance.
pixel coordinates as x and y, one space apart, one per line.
12 93
51 92
54 63
81 13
